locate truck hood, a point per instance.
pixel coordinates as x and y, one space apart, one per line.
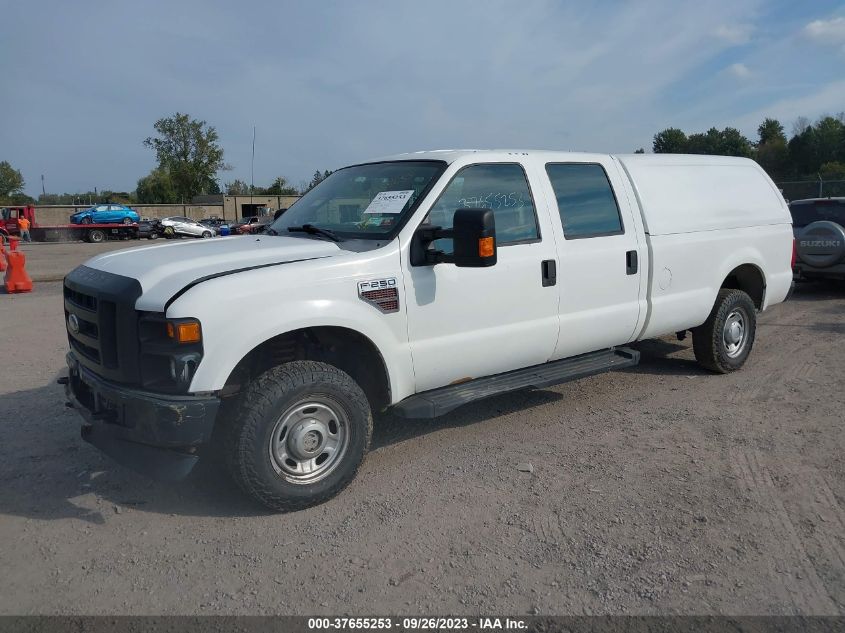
165 270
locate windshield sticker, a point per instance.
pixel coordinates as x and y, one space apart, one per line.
389 202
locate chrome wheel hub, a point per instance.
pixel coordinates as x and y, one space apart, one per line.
735 333
309 439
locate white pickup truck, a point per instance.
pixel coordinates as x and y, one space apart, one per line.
418 283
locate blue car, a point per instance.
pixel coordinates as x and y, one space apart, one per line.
105 214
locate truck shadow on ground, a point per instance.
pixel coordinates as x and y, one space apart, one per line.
47 472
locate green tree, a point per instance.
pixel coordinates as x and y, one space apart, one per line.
156 188
832 171
187 150
707 143
11 182
318 177
829 138
773 156
640 151
237 188
670 141
769 131
281 187
733 143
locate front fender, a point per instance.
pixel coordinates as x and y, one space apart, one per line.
246 318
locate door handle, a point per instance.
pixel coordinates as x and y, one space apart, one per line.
549 271
631 263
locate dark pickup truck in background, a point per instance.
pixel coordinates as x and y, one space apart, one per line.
819 228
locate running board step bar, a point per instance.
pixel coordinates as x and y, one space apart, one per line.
437 402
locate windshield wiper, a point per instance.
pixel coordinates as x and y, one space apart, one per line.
314 230
271 232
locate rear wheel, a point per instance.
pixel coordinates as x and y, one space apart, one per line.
724 341
298 436
96 236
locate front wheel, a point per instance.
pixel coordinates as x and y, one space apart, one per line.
127 220
724 341
299 435
206 234
86 220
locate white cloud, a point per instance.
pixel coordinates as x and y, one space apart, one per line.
826 99
734 33
830 31
740 71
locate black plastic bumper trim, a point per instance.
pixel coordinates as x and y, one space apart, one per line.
154 434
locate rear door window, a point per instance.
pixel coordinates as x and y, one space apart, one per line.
585 200
804 214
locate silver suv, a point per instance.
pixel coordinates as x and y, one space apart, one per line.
819 228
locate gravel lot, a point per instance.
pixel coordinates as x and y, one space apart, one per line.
657 490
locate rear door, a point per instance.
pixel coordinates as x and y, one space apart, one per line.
601 252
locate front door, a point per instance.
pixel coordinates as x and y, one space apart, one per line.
466 323
601 256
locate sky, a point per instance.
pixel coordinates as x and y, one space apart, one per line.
327 84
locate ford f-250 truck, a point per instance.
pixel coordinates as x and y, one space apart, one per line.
419 283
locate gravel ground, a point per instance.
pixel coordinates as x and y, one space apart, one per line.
656 490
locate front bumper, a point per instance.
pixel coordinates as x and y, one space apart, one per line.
155 434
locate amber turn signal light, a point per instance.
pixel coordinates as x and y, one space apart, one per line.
185 331
485 247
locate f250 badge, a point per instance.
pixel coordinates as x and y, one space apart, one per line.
382 293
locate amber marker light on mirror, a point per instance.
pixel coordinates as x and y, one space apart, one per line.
485 247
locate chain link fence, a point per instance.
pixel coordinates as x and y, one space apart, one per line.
818 188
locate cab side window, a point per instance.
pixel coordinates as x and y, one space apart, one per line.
501 187
585 200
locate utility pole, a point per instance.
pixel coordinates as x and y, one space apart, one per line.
252 172
43 190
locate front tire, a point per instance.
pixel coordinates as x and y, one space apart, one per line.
206 234
127 220
86 220
298 436
724 341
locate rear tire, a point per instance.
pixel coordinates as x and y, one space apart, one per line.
724 341
298 436
95 236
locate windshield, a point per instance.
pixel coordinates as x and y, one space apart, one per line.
365 201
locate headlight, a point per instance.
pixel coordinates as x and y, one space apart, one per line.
170 350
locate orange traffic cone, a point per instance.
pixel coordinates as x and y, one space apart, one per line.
3 264
17 279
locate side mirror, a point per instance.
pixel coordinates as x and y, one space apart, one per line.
473 235
474 238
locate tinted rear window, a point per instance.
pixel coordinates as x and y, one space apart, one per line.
804 214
